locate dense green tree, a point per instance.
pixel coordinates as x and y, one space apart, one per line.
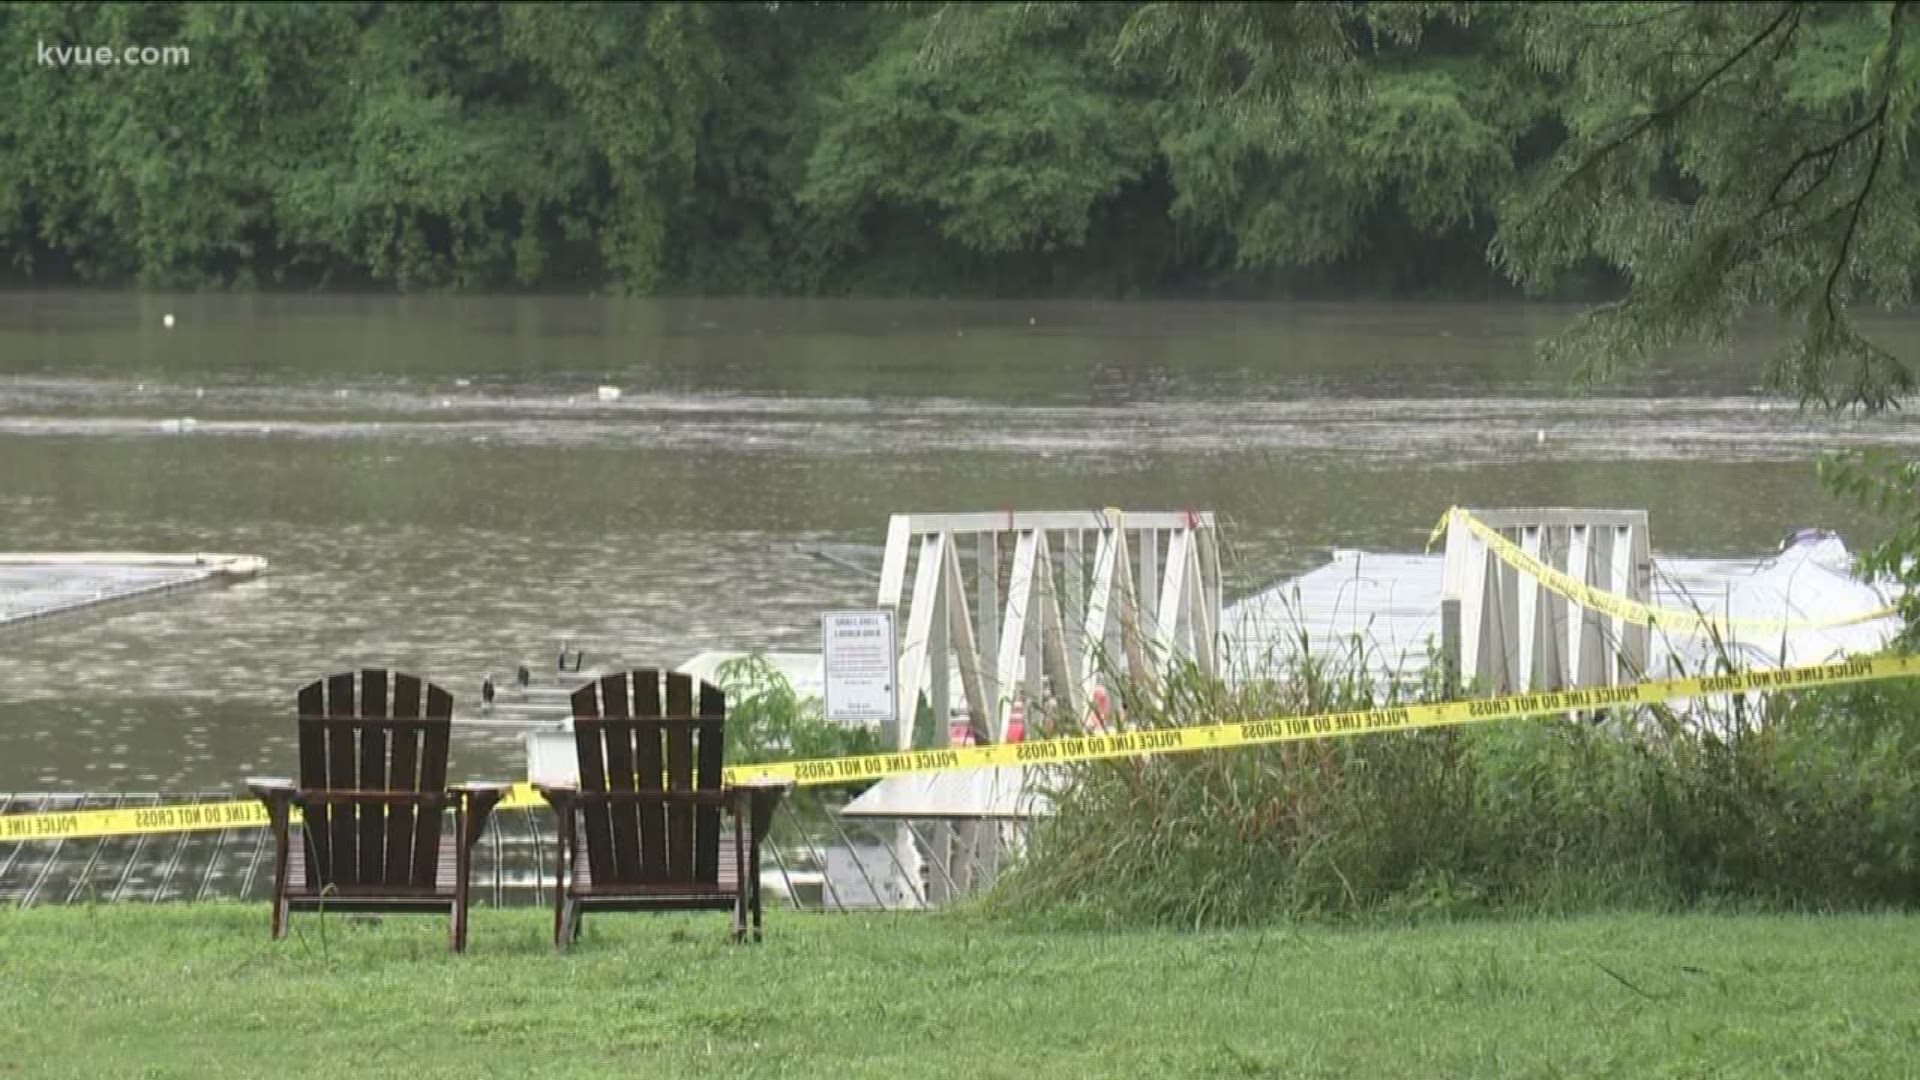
1715 157
1725 157
1698 160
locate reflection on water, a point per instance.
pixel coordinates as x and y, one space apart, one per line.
439 486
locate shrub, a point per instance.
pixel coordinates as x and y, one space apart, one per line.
768 721
1817 808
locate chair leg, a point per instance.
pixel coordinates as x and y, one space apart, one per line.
744 872
281 841
753 877
560 890
457 928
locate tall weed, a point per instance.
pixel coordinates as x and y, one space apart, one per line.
1817 807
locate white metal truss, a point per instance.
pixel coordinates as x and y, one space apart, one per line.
1503 632
1148 597
1068 625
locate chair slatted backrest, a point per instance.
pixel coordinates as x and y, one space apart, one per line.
373 730
628 743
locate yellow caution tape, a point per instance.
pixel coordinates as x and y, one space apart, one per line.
79 824
176 818
818 772
1321 726
1624 608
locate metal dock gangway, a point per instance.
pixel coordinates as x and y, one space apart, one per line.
38 586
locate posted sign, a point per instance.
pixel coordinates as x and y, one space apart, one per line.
858 664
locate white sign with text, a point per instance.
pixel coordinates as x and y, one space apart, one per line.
858 664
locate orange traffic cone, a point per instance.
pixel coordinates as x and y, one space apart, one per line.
1016 721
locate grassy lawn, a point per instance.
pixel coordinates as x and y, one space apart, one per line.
199 991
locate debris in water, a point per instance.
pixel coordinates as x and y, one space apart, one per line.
609 393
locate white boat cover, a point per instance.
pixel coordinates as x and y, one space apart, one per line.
1387 607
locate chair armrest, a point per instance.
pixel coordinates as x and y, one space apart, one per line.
276 793
765 788
271 789
479 797
558 796
482 787
762 796
765 783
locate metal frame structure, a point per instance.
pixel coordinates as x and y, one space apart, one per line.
1065 616
1501 632
1148 597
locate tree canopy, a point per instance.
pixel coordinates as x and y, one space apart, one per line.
1687 162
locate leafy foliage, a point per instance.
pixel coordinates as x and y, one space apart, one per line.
1727 157
1817 808
768 721
1697 160
1890 486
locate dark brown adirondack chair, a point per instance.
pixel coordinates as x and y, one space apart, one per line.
650 805
373 791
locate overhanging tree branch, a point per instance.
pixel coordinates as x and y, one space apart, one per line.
1825 154
1789 15
1853 219
1630 24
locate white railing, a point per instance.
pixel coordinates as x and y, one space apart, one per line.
1501 631
1148 595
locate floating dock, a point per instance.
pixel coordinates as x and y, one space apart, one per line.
1384 611
39 586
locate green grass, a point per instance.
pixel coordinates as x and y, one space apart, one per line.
199 991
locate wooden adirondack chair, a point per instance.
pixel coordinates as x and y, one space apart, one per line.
649 807
372 790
